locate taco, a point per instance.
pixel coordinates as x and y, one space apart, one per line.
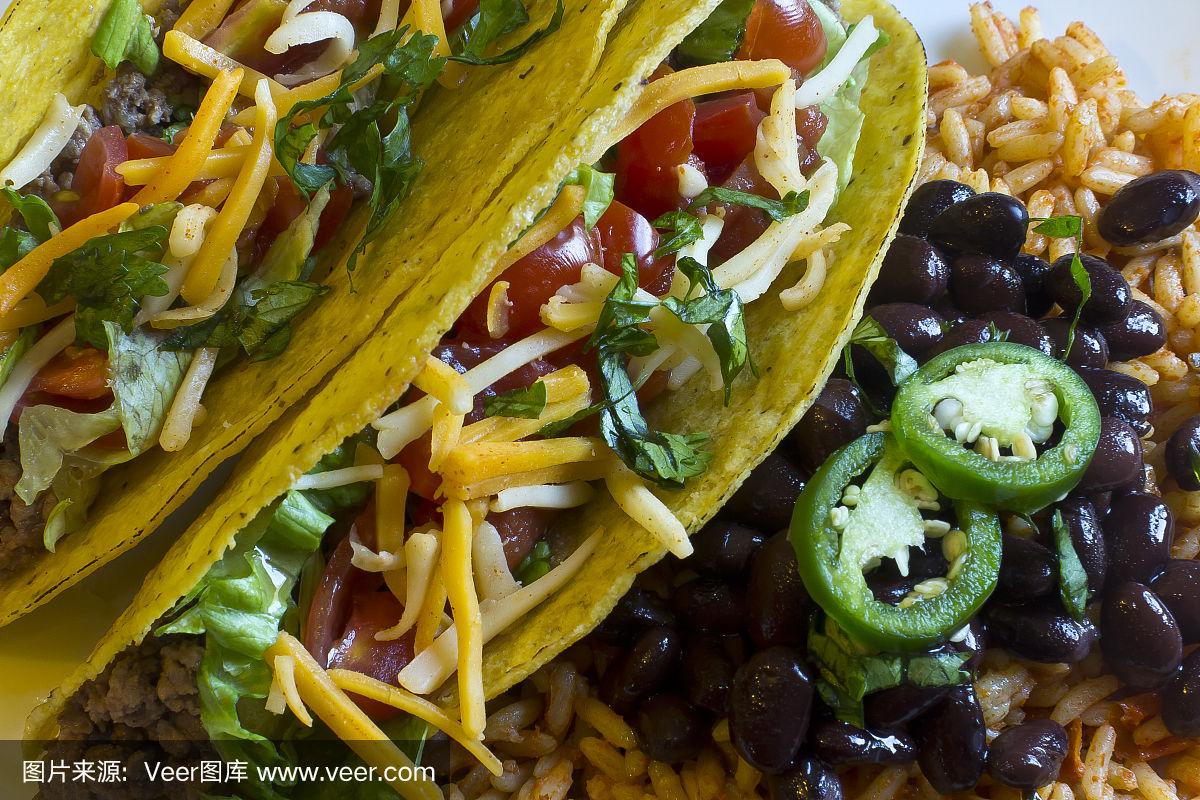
188 194
486 450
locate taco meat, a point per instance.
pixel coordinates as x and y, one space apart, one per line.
61 174
21 526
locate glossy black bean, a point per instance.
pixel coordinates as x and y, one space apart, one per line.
1139 333
709 604
769 708
777 603
836 418
1121 396
724 549
1138 532
1151 208
953 740
764 501
640 670
1181 699
916 328
1028 570
1020 329
670 729
1090 348
973 641
1110 296
991 224
1139 635
892 709
890 590
1027 756
707 673
970 331
1118 458
1040 632
634 613
925 561
930 200
808 779
953 315
913 271
841 743
1087 537
980 283
1178 587
1033 272
1183 454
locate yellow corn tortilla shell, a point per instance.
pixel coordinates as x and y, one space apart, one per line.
760 414
471 139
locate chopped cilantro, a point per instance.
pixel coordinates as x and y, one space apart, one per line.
684 229
1072 578
721 310
525 403
494 19
778 210
1070 227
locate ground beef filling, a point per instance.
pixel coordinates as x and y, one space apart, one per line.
144 709
61 172
21 526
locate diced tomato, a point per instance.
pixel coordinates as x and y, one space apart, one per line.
520 529
623 230
96 180
143 145
535 278
725 132
80 373
415 460
358 650
785 29
288 205
810 127
340 200
742 224
648 158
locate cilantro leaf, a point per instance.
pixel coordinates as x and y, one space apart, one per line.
14 245
1069 226
1072 578
40 220
598 191
778 210
125 34
108 277
719 37
871 336
494 19
685 229
1064 227
722 311
525 403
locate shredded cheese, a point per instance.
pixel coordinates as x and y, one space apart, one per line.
23 277
389 17
44 144
33 310
285 678
368 560
308 28
825 84
708 79
806 289
565 495
460 590
590 470
201 17
228 226
562 212
421 561
391 496
177 425
691 181
492 575
511 429
479 461
350 723
640 504
710 232
223 163
189 229
339 477
212 194
433 665
30 364
446 429
429 620
366 686
497 310
200 59
174 317
313 90
446 385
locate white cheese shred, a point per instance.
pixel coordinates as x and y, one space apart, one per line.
285 679
824 85
30 364
562 495
492 576
340 477
44 144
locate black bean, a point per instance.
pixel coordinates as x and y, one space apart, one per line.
991 224
1139 333
953 315
894 708
971 331
890 590
1178 587
640 670
1028 570
1090 349
928 201
1183 454
841 743
916 328
1110 296
707 673
1140 637
808 779
980 283
1181 699
924 561
1033 272
769 708
670 729
1118 458
1028 756
777 603
953 739
1040 632
1138 531
1020 329
836 418
764 501
913 271
709 604
1087 537
724 549
1121 396
634 613
1151 208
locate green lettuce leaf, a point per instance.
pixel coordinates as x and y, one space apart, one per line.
12 354
144 379
52 439
598 191
845 117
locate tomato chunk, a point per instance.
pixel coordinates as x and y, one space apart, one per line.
143 145
623 230
648 159
742 224
80 373
358 650
785 29
460 11
726 131
520 529
96 180
334 214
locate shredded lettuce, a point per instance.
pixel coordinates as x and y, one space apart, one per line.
598 191
286 258
12 354
845 117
